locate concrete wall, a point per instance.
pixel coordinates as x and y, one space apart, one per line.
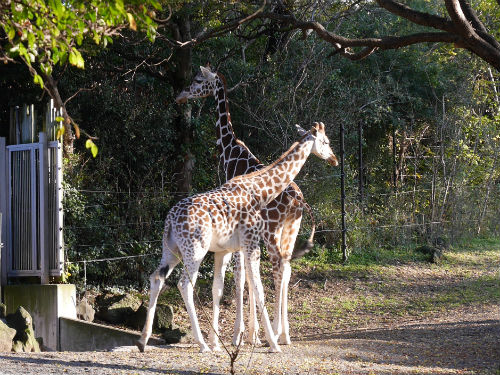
80 336
46 304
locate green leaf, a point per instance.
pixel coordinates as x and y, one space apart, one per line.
38 80
31 40
12 33
131 21
156 4
92 146
119 6
76 59
94 150
60 132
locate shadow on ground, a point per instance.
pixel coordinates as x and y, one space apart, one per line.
472 345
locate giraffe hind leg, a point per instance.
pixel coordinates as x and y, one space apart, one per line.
186 287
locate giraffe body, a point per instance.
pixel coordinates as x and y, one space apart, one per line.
225 220
282 217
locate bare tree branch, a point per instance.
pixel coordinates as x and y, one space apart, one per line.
221 30
463 29
417 17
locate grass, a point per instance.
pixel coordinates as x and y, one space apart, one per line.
390 283
376 285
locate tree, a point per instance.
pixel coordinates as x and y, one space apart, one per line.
460 25
44 34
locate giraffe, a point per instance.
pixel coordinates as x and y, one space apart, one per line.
225 220
282 217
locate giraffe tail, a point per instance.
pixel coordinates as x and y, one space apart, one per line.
303 248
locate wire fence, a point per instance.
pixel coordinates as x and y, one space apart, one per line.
124 234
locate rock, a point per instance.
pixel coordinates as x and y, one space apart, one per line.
137 320
118 309
433 253
437 255
7 335
164 317
17 347
85 311
176 336
24 340
3 311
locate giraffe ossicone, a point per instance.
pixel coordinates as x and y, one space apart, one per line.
282 218
225 220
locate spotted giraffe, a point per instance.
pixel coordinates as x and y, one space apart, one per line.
282 217
225 220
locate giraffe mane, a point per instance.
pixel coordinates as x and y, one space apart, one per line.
242 144
224 82
265 169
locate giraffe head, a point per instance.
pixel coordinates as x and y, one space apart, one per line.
321 146
203 85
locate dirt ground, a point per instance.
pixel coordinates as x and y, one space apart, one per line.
400 318
465 343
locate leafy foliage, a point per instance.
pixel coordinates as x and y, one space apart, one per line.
46 33
429 116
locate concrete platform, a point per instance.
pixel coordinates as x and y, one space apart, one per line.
46 304
81 336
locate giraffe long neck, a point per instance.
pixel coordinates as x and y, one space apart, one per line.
266 184
236 158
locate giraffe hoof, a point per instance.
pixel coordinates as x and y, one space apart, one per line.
238 343
277 349
141 346
256 342
216 348
204 349
284 340
238 340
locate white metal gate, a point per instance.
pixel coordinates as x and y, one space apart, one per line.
35 209
31 200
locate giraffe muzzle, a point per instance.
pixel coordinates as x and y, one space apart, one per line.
181 98
332 160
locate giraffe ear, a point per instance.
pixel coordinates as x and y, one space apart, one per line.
300 129
314 129
207 73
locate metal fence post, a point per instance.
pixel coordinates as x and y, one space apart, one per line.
342 192
360 163
44 216
3 211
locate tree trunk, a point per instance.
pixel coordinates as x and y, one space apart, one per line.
69 135
181 29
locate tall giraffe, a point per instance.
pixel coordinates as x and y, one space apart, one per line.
282 217
225 220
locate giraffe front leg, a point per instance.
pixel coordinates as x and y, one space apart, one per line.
239 280
278 301
284 337
288 239
252 267
220 263
253 321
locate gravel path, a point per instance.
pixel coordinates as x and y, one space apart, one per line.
467 342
